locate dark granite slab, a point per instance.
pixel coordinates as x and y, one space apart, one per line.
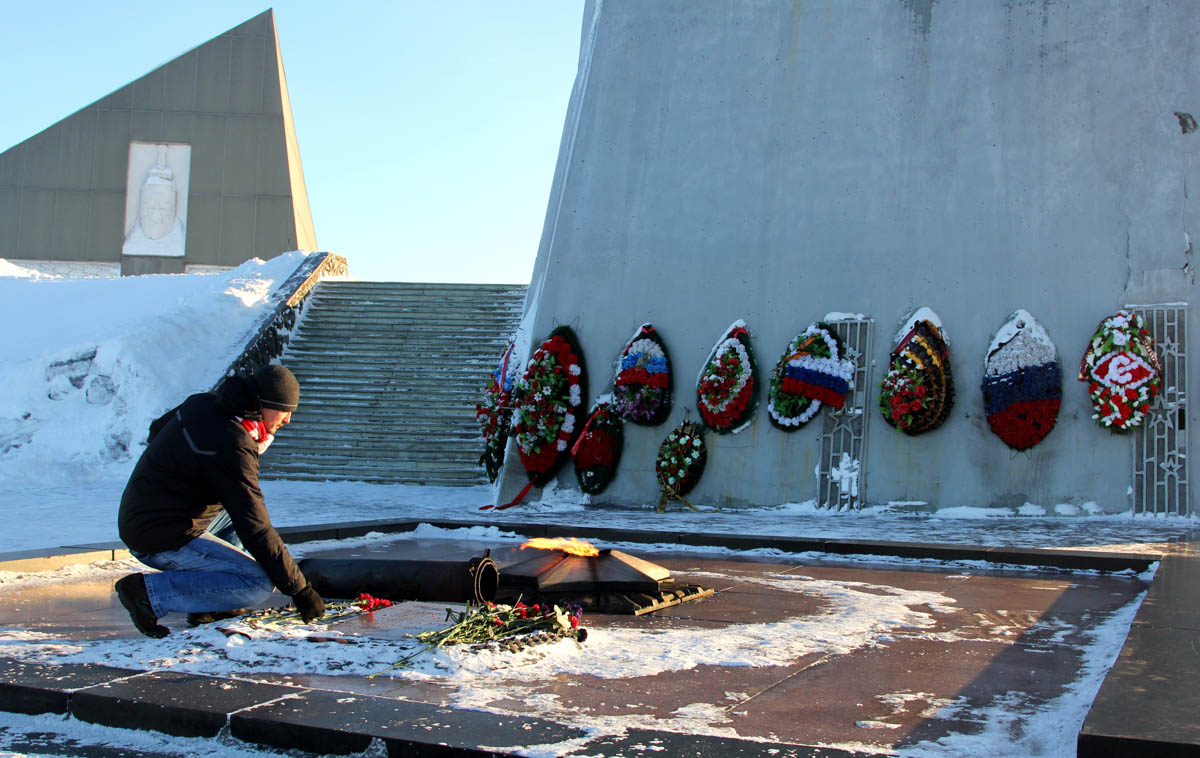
341 723
1147 703
296 534
1074 560
600 534
639 742
185 705
1041 557
1174 599
44 744
55 557
98 546
345 530
938 551
33 688
752 542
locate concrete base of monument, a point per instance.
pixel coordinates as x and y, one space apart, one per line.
795 654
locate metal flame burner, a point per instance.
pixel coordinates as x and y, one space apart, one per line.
611 582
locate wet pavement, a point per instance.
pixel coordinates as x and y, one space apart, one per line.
971 641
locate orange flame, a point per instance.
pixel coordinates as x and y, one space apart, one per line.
569 545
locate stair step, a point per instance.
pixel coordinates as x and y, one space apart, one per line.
390 373
341 309
420 478
409 456
481 349
467 440
342 465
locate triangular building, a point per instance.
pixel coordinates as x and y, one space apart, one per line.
194 165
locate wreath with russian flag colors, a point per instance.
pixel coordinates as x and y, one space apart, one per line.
494 414
918 391
812 372
681 460
727 390
1022 382
642 386
597 452
548 412
1122 371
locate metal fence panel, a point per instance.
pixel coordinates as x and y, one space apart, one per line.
1160 446
842 467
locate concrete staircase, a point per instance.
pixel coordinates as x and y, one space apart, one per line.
389 376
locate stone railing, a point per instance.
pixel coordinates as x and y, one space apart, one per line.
276 329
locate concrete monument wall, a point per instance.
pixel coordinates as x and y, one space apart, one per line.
230 188
776 162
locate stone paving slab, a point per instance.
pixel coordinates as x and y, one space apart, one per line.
41 688
1174 600
1147 705
57 557
643 743
339 723
180 704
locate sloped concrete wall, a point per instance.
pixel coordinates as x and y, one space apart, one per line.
775 162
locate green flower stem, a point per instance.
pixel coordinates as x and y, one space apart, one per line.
478 625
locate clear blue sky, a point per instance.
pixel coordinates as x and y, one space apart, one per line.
428 130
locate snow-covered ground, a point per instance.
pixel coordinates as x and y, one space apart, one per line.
88 363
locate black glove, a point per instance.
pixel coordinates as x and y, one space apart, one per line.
309 603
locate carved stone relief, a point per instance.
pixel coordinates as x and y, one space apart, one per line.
156 194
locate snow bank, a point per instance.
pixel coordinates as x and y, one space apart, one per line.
88 363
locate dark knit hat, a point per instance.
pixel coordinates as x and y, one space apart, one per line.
277 388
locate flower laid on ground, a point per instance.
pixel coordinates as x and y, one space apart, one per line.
918 391
727 389
506 626
494 414
1022 382
550 403
1122 371
275 619
642 385
811 372
368 603
597 452
680 462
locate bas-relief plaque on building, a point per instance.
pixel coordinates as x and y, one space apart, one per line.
156 195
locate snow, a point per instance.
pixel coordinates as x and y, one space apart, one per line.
24 736
91 362
11 269
921 314
1032 340
846 476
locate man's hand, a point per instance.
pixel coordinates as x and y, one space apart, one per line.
309 603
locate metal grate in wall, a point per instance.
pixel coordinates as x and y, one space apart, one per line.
841 469
1160 446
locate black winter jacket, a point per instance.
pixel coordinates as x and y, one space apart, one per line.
199 460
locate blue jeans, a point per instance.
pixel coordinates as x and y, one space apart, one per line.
206 574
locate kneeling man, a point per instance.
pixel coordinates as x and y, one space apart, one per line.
202 458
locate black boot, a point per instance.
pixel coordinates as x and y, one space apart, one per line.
131 591
207 617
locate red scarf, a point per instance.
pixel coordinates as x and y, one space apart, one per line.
258 432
